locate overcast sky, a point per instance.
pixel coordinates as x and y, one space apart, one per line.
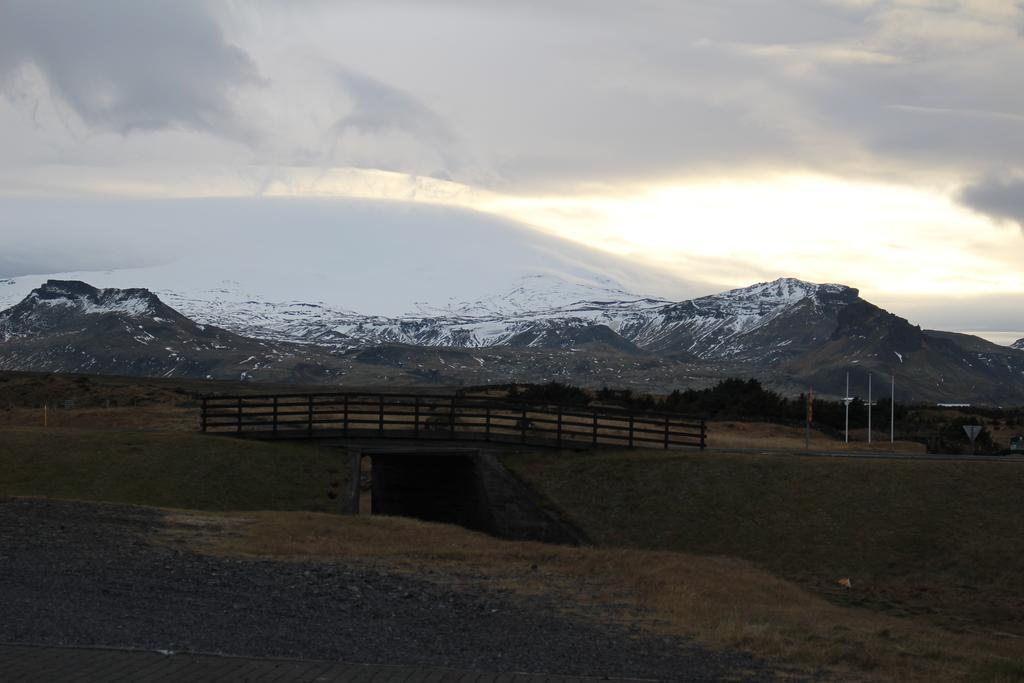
879 143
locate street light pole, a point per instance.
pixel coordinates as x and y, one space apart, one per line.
809 417
846 402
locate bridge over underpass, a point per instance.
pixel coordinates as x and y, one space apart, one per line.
362 415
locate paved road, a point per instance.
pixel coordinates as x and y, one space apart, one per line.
59 664
76 574
871 455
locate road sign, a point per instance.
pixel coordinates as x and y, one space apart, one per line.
972 431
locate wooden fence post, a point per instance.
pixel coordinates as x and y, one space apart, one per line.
380 415
666 432
275 416
202 417
451 419
487 423
356 464
522 425
630 431
344 415
558 429
239 416
703 434
309 415
595 429
416 417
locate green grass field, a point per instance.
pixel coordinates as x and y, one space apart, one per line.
170 469
937 540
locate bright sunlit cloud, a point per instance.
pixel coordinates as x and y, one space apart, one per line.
896 240
891 241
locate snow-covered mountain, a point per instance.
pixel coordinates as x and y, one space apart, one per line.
787 332
1019 345
70 326
764 323
543 311
534 304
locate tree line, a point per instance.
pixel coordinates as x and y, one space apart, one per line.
747 399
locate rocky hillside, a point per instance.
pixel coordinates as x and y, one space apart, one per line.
927 364
766 323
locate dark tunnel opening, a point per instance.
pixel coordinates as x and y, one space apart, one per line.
462 486
434 487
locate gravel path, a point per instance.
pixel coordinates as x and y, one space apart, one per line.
84 574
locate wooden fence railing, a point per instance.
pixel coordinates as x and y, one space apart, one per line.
410 416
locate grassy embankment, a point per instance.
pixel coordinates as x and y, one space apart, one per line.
170 469
943 540
936 544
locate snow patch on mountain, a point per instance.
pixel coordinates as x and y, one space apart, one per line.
108 301
1019 345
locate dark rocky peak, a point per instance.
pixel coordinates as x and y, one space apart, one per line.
80 297
65 289
131 299
878 326
71 306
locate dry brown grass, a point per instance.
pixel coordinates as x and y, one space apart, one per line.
730 434
722 601
129 418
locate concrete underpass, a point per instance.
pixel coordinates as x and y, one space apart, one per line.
462 486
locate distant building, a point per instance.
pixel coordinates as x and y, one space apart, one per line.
1017 443
953 405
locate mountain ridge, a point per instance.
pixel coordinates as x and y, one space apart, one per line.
789 333
648 322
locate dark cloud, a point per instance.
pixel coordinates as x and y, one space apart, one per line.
604 91
381 110
536 96
1001 198
379 107
126 65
